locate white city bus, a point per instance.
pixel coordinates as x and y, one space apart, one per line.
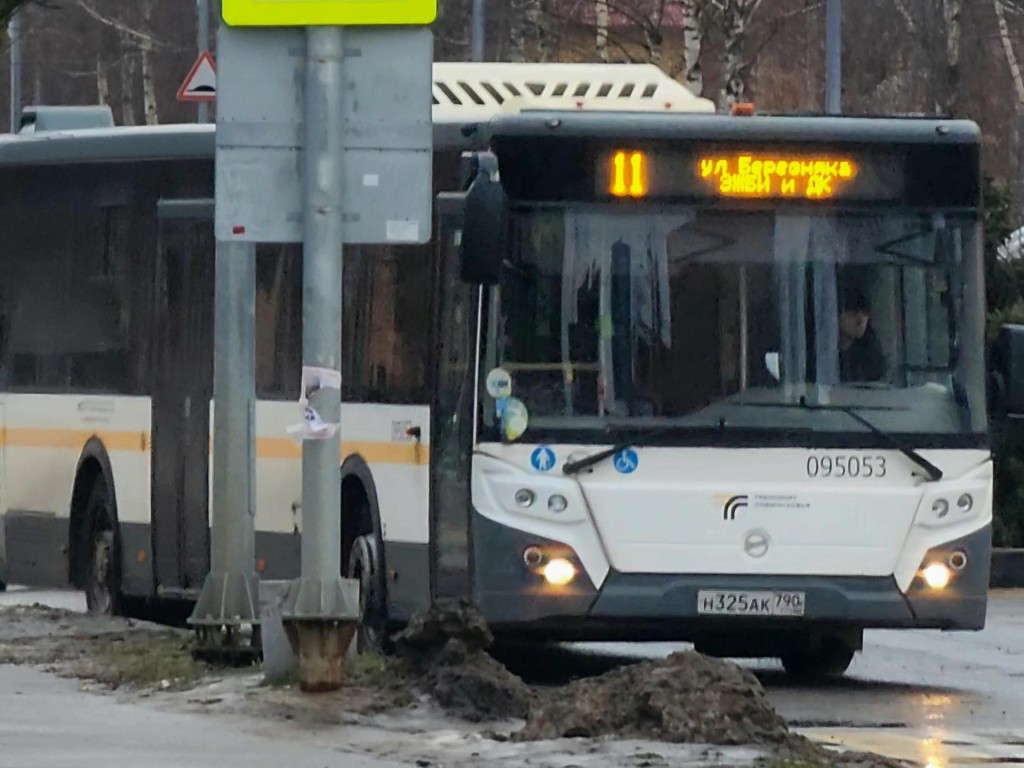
625 392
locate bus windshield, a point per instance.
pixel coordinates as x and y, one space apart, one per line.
707 317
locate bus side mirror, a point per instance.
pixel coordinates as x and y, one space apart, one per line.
482 252
1006 371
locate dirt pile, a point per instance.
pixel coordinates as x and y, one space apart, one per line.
445 650
686 698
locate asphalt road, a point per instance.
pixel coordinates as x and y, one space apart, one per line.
940 699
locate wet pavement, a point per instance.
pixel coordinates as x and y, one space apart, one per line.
937 699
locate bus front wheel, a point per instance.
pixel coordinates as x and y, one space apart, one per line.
364 567
102 590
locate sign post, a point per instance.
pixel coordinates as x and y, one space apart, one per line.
324 137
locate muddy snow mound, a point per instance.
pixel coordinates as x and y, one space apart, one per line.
446 650
686 698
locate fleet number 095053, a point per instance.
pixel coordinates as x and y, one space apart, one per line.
837 465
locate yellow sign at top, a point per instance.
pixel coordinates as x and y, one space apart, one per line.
317 13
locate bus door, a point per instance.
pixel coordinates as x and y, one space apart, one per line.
451 445
181 394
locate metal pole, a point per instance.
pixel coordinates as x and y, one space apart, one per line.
834 57
321 612
203 45
14 33
479 28
230 597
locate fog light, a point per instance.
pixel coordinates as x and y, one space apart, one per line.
937 576
559 572
941 508
525 497
558 504
958 560
533 557
965 503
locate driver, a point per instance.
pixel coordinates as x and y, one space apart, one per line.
861 358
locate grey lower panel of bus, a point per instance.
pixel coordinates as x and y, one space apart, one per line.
664 606
36 556
35 549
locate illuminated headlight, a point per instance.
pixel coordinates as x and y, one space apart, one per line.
937 576
965 503
941 508
558 504
525 497
559 572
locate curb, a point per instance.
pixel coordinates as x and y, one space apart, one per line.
1007 569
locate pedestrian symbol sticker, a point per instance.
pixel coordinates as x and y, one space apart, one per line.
626 461
543 459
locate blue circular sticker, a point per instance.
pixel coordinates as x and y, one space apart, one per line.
626 461
543 459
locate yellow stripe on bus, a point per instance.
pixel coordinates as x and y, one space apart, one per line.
266 447
74 439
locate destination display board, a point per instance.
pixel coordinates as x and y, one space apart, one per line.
742 173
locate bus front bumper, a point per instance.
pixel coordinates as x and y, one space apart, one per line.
638 606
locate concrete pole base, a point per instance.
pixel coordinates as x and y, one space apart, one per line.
322 647
320 617
226 619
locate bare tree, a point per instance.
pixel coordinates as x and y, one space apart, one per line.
694 30
603 22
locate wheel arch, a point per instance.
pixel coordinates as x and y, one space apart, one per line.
93 463
357 484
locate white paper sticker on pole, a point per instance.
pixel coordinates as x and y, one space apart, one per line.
311 425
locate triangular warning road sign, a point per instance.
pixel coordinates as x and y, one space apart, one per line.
201 82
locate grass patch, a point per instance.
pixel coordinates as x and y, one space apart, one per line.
144 660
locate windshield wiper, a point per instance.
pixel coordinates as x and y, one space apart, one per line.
573 467
934 473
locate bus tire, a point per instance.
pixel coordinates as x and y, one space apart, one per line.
363 566
820 661
102 577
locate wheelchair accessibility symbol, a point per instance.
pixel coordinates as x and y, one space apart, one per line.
626 462
543 459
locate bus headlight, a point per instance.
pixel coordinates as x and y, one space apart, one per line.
965 503
937 576
941 508
559 572
558 504
525 497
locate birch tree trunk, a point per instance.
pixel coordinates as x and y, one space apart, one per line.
148 49
152 113
538 22
517 30
128 77
1018 84
102 83
952 11
693 43
1011 56
654 38
602 30
736 16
